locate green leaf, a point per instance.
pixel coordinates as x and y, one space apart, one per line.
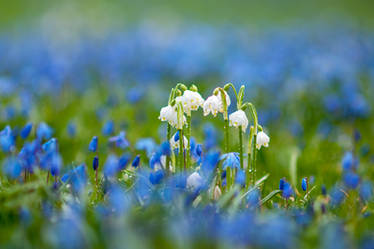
269 196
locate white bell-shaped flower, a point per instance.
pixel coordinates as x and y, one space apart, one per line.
212 105
166 113
262 140
194 181
238 119
190 100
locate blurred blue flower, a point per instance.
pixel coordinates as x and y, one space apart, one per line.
120 141
349 161
43 131
25 132
108 128
304 184
136 161
93 144
156 176
336 196
12 167
95 163
366 191
110 166
146 144
351 180
231 160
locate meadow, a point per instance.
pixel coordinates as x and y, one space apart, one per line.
276 126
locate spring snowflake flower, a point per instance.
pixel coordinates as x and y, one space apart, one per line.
239 118
166 113
262 140
212 105
190 100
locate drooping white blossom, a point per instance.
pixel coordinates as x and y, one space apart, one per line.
262 140
228 102
191 101
166 113
212 105
238 119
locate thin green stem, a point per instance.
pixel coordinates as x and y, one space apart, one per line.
254 155
188 135
249 164
168 137
181 150
241 147
228 178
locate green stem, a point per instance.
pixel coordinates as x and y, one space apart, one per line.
168 137
249 164
188 135
227 137
228 178
254 154
181 149
241 147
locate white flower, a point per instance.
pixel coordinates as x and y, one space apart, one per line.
175 144
190 100
262 140
217 193
228 102
166 113
239 118
194 181
211 105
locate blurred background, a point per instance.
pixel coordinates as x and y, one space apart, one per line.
307 66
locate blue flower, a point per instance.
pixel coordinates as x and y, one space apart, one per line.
165 148
337 196
176 136
154 160
120 141
349 162
77 177
287 190
240 177
253 198
93 144
71 129
209 163
123 161
25 132
43 131
111 166
146 144
231 160
136 161
304 184
108 128
12 167
366 191
156 177
95 163
56 164
351 180
50 145
7 140
323 190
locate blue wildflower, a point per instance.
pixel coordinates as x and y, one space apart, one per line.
56 164
43 131
253 198
165 148
120 141
146 144
111 166
136 161
71 129
156 177
7 141
240 177
304 184
210 162
351 180
366 191
349 162
50 145
77 177
176 136
93 144
12 167
154 160
95 163
336 196
25 132
123 161
108 128
287 190
231 160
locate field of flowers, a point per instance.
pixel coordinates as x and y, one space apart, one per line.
199 136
